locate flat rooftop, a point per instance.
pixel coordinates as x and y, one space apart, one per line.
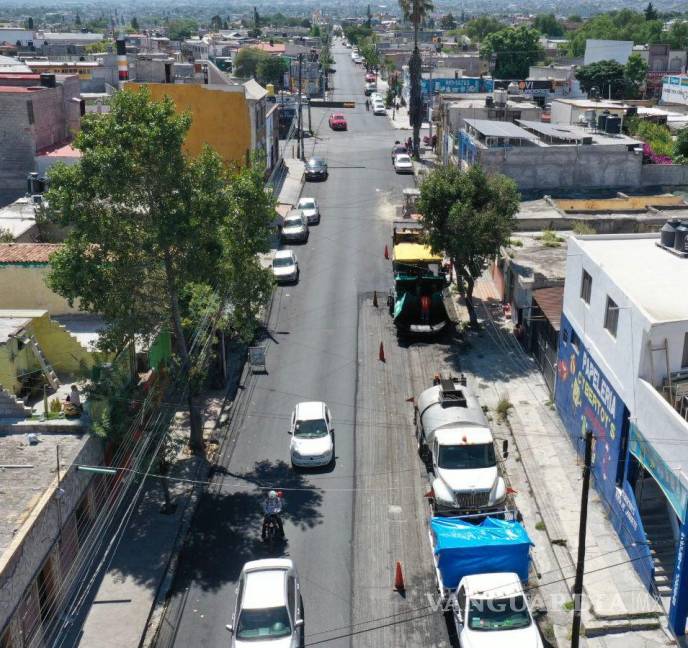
18 217
11 324
534 258
33 472
652 278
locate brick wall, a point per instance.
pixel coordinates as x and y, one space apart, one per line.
16 140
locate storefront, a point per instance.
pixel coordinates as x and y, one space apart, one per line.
646 499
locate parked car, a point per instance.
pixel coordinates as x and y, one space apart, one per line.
398 149
316 169
310 209
369 77
269 609
379 108
312 436
337 121
285 266
370 88
295 226
376 96
358 59
402 163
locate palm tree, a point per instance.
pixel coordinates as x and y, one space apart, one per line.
415 11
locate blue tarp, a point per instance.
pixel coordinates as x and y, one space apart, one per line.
493 546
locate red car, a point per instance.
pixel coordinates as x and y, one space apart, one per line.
370 77
337 121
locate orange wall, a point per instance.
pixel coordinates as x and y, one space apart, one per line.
219 119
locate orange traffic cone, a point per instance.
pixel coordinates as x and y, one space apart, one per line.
399 579
375 298
386 252
381 355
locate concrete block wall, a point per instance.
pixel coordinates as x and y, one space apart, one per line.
535 167
657 175
16 140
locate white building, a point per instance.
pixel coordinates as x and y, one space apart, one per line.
16 35
607 50
623 373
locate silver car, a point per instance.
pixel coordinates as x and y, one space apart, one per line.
269 610
285 266
310 209
295 226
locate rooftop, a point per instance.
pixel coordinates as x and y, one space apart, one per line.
18 217
254 90
551 303
64 149
490 128
11 253
533 259
18 89
21 487
11 324
274 48
652 278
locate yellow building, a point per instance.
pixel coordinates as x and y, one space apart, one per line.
220 116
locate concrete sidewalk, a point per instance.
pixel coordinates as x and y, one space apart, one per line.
136 579
618 610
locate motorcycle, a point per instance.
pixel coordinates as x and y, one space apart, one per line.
271 529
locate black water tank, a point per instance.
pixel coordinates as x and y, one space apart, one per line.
613 125
681 241
668 232
48 80
602 121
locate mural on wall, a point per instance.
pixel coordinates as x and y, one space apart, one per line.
585 399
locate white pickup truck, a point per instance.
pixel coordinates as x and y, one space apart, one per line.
456 444
492 611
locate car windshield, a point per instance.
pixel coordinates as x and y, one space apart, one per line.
315 163
294 221
310 429
498 614
338 117
306 204
263 624
465 457
282 262
403 158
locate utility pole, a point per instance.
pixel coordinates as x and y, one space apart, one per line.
300 141
580 566
432 97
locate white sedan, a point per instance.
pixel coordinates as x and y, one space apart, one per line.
285 266
379 108
312 436
310 209
403 163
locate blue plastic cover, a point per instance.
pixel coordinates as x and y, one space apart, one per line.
493 546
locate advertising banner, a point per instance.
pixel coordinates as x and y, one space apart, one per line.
459 85
585 399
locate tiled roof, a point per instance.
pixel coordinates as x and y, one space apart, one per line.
27 252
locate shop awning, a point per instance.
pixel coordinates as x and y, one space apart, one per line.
551 302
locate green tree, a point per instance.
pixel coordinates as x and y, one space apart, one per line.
448 22
216 23
181 28
256 19
650 12
145 222
468 215
134 23
477 28
247 61
369 18
680 150
607 76
415 11
370 54
677 37
315 31
574 18
271 70
96 48
635 69
548 25
29 23
306 23
514 50
356 33
77 20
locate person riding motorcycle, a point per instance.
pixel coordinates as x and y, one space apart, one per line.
272 507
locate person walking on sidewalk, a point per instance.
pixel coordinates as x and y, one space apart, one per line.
367 105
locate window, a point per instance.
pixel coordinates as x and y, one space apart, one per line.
29 111
586 287
684 361
291 596
611 316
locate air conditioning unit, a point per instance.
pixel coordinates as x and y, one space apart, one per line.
37 199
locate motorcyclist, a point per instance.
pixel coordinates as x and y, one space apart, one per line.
272 507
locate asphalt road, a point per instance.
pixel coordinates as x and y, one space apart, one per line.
312 355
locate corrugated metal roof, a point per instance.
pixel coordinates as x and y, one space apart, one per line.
551 302
490 128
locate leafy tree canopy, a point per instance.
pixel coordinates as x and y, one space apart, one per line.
448 21
247 61
356 33
548 25
477 28
515 49
271 69
468 215
181 28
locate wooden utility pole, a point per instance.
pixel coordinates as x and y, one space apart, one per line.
301 154
580 566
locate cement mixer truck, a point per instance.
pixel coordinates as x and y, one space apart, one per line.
456 444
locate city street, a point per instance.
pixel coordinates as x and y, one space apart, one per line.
312 355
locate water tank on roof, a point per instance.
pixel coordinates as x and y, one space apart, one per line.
681 240
668 232
500 97
602 121
613 125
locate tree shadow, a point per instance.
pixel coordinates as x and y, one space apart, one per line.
225 531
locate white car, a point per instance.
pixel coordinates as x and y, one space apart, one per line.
379 108
376 96
310 209
285 266
403 163
492 610
312 436
358 59
295 226
268 611
370 87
